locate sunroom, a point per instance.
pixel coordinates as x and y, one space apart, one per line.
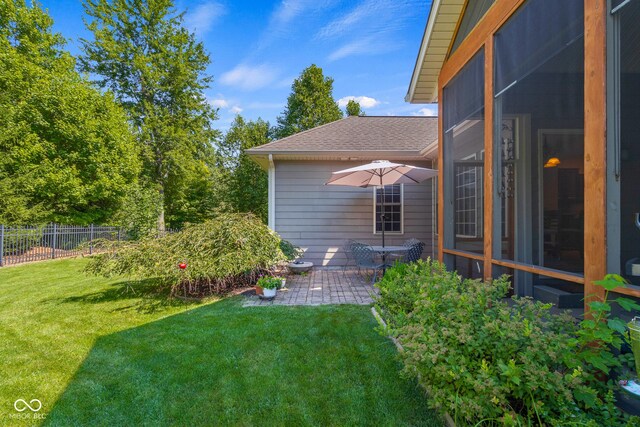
539 154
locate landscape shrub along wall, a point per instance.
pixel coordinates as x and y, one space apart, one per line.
485 360
217 256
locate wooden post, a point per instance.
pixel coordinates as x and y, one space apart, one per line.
595 142
488 157
440 176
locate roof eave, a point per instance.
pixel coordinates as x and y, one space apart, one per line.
261 157
428 50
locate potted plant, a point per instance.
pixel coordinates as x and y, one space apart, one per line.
269 285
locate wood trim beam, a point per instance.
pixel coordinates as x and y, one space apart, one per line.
595 143
569 277
629 291
488 157
497 14
464 254
441 236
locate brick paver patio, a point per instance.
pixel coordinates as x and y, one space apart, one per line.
320 286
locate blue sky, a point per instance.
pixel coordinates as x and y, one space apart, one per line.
257 48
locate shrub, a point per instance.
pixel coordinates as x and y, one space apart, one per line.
220 255
485 359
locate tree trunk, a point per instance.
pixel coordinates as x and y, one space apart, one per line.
161 226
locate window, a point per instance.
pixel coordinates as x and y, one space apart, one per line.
393 198
468 194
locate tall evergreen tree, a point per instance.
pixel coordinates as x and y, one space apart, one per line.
310 103
66 150
156 68
245 182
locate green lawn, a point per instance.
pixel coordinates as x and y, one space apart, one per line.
94 354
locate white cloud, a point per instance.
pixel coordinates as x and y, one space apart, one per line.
249 77
204 16
225 104
286 15
427 111
357 47
372 27
366 46
364 101
219 103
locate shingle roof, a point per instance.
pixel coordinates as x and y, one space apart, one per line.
364 133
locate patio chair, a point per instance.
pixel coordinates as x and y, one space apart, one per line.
348 253
365 258
416 247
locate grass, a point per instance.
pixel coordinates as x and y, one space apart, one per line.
94 354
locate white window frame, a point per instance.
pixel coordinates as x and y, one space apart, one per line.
478 188
397 233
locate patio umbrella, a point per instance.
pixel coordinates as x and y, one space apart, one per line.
378 174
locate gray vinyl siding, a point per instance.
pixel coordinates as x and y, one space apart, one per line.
318 218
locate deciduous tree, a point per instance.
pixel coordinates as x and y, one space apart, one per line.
245 182
142 52
354 109
66 150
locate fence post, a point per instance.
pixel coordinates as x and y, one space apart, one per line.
118 234
54 241
91 240
1 245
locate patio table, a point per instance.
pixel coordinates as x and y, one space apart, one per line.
385 250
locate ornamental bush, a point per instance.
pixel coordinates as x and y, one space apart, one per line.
488 360
220 255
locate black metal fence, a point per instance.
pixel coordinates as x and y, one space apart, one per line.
36 243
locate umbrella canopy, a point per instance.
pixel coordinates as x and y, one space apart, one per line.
380 173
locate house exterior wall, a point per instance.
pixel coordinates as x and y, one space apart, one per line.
319 218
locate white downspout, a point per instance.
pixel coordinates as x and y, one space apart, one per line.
272 193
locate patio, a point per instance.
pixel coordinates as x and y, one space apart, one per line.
320 286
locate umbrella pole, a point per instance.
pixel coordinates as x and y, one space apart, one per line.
382 215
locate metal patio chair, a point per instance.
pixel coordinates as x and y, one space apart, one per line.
416 247
365 258
348 254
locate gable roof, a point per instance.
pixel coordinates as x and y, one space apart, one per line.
361 137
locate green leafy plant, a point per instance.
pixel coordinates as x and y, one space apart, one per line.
599 340
209 258
269 282
487 360
289 250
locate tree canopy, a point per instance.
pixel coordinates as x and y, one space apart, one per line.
66 150
354 109
142 52
310 103
245 187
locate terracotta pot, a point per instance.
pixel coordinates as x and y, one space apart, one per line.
259 290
